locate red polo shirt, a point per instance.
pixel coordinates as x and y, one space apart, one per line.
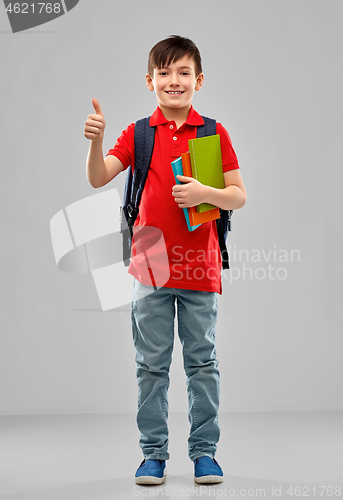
192 259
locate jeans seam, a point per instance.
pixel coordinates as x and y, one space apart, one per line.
193 408
165 389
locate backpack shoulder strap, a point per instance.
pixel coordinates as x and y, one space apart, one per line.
144 143
208 128
144 138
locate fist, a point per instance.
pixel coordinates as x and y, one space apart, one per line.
95 124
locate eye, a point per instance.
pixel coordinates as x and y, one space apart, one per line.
162 73
185 73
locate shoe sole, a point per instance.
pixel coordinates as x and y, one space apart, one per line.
208 479
150 479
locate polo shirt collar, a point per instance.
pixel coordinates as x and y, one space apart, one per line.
193 118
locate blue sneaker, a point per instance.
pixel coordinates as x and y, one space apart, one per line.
207 470
151 472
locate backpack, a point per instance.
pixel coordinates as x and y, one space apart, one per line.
144 137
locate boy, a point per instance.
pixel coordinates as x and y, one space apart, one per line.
174 73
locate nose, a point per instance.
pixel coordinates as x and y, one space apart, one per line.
174 81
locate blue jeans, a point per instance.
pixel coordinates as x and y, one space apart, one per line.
153 336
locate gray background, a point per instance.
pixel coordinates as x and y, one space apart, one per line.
273 77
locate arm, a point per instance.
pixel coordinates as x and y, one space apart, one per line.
233 196
100 171
192 193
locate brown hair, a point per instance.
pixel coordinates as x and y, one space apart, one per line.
171 50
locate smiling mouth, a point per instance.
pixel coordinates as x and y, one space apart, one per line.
171 92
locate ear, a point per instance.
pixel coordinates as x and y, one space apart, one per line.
149 82
199 81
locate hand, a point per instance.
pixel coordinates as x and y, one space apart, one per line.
95 124
190 194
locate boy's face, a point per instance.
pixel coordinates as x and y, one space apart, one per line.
175 85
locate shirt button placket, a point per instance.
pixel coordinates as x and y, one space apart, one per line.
176 147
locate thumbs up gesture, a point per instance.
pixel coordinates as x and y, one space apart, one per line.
95 124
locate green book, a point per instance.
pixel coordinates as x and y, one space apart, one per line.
207 165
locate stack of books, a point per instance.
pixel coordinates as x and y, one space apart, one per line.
203 162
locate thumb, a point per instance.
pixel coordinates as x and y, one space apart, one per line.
184 178
96 107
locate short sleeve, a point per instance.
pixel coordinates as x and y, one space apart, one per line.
124 148
230 161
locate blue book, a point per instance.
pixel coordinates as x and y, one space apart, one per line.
178 170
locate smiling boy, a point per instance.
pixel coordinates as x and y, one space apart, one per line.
174 74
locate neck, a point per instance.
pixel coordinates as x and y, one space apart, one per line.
178 115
